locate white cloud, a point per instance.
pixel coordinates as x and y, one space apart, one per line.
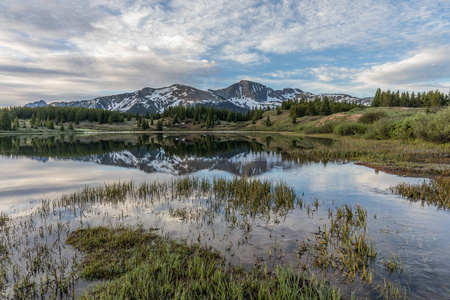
46 48
426 65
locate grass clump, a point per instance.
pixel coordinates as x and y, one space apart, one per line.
153 267
345 247
435 192
3 219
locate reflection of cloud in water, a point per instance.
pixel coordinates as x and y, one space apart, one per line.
24 180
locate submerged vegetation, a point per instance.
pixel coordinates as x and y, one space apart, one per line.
435 192
146 263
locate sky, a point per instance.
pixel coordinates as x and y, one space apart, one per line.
59 50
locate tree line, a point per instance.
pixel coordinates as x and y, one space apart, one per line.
319 106
52 115
405 99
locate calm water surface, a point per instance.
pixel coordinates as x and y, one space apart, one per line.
36 168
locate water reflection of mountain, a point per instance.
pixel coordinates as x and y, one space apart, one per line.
158 153
239 162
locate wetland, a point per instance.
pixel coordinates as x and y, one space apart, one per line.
242 215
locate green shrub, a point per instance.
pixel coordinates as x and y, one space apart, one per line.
350 129
327 127
405 129
372 117
434 127
380 130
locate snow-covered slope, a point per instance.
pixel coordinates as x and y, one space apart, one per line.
239 96
239 162
40 103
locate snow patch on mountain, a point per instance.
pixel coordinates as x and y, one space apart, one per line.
239 96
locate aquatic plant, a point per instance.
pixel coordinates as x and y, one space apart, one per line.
434 192
345 247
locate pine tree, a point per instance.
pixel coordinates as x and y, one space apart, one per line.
145 124
62 127
325 108
376 99
70 126
254 117
5 120
159 125
16 124
50 124
268 122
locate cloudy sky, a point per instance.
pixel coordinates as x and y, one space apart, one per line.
81 49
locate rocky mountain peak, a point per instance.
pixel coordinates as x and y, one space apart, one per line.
239 96
40 103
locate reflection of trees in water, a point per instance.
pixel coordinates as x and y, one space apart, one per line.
72 147
179 154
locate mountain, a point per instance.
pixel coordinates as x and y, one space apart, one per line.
40 103
241 161
240 96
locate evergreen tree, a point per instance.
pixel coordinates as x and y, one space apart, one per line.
62 127
376 99
16 124
70 126
268 122
325 108
50 124
159 125
278 110
5 120
229 116
145 124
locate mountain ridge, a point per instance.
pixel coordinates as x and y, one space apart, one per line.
239 96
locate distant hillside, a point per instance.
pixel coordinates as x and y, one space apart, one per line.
239 96
40 103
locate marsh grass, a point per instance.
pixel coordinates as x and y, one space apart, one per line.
390 291
154 267
410 157
393 263
435 192
345 247
144 263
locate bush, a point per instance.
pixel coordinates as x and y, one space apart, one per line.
434 127
380 130
350 129
326 127
405 129
372 117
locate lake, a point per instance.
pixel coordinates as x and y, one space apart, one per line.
36 170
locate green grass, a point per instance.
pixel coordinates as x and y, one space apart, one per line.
436 192
142 265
